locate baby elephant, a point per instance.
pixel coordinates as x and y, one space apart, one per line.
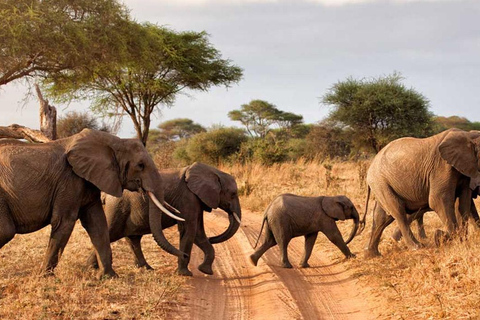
290 216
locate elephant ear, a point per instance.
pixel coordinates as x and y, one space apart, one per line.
203 181
333 207
95 162
459 151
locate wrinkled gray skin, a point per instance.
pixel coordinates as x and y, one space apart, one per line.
290 216
418 217
59 182
192 190
412 174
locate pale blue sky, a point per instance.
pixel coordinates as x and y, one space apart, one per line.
293 51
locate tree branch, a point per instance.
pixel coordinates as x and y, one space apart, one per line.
16 131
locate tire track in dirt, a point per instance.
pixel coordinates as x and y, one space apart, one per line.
239 290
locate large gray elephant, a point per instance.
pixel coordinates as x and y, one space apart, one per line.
192 190
412 174
58 182
290 216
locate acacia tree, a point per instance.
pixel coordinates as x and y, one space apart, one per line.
177 129
156 65
258 117
41 37
379 110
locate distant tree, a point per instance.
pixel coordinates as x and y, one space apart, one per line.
42 37
156 65
379 110
444 123
259 116
212 147
325 141
177 129
73 122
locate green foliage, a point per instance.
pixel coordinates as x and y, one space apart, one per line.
156 64
258 116
74 122
444 123
211 147
265 151
177 129
379 110
44 37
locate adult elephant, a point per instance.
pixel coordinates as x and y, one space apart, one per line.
412 174
192 190
58 182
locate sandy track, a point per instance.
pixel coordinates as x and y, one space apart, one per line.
239 290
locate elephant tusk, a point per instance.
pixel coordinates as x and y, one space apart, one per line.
161 207
237 218
171 208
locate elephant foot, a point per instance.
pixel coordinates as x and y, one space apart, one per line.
371 253
287 265
305 265
205 268
397 235
254 260
145 266
92 261
351 256
184 272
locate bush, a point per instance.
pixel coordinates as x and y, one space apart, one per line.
74 122
211 147
326 142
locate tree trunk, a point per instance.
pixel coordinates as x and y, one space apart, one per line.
48 117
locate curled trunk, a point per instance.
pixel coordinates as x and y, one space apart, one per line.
232 228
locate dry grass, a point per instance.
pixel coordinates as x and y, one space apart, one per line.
74 293
430 283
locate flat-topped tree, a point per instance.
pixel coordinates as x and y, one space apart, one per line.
156 65
40 38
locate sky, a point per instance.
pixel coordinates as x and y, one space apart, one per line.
293 52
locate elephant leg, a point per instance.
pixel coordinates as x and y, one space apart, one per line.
474 212
283 242
464 208
267 244
420 226
94 221
380 221
309 243
418 216
92 258
62 228
7 229
334 235
187 237
201 240
134 242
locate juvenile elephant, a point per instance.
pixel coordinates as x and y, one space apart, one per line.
192 190
412 174
290 216
58 182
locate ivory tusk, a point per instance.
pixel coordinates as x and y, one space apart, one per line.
171 208
236 217
161 207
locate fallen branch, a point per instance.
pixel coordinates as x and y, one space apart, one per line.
16 131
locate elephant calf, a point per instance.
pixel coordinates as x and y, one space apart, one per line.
290 216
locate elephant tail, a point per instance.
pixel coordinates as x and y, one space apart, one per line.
363 219
261 229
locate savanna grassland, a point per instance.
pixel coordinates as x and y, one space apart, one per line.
430 283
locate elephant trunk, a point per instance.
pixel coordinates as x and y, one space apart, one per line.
232 227
356 222
362 221
155 221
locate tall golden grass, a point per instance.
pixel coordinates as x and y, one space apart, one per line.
430 283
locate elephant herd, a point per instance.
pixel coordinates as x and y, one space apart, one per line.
114 188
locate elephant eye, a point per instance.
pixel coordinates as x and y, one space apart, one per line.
141 166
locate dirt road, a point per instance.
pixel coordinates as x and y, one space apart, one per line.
239 290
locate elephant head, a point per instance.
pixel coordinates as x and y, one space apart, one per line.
462 151
341 208
113 164
216 189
